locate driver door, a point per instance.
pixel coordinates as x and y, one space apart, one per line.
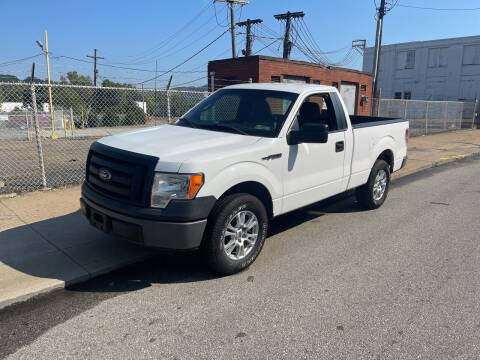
314 171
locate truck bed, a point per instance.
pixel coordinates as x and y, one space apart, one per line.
366 121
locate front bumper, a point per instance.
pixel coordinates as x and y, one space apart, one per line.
150 232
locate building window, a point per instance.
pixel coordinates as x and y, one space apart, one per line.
295 79
406 60
437 57
398 95
317 82
410 63
471 54
407 95
335 84
229 80
275 79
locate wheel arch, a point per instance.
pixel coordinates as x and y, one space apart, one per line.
253 188
387 156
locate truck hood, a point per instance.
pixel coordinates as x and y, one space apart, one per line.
177 144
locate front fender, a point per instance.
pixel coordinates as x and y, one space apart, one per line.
237 173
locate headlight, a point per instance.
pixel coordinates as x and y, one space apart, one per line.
167 187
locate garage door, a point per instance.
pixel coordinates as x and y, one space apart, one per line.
349 96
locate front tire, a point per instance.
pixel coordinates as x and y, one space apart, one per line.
372 195
235 234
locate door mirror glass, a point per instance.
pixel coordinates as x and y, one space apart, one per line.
309 133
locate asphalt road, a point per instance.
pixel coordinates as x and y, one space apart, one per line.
332 282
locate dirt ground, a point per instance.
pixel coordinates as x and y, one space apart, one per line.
64 163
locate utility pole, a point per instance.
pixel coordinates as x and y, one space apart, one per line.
248 24
95 71
378 46
287 44
169 114
39 43
231 4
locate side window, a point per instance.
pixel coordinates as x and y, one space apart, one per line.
318 108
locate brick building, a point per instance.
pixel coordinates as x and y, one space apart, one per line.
355 86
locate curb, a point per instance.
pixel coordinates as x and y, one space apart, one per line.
437 164
62 284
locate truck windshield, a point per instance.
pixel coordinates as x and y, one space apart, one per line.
242 111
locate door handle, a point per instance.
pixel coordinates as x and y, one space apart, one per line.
339 146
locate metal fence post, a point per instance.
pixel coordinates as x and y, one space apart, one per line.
38 138
405 110
426 117
168 107
474 113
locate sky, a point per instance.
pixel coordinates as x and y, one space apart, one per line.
137 34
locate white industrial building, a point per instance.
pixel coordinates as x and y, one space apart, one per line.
445 69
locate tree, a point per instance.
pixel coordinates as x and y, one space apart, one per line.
8 78
134 115
111 117
108 83
73 78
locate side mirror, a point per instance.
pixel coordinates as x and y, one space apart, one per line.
308 133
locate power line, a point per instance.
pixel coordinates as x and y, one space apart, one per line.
12 62
438 9
118 67
183 62
216 18
267 46
191 81
162 43
151 56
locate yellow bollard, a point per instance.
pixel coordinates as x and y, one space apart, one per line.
83 123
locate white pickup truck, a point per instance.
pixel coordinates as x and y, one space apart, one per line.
245 154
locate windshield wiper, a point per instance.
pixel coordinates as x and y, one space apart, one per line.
227 127
190 123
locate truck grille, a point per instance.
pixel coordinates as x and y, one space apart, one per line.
121 175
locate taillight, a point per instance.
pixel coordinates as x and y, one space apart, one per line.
406 136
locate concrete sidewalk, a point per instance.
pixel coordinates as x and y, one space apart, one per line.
45 242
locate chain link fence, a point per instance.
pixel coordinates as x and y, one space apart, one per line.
44 139
429 117
46 146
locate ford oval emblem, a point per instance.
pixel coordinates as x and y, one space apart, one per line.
105 174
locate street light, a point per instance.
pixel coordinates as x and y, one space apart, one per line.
39 43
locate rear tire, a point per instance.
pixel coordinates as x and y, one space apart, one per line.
235 234
373 194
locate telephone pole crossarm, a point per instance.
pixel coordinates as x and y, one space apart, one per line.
248 24
287 44
95 71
